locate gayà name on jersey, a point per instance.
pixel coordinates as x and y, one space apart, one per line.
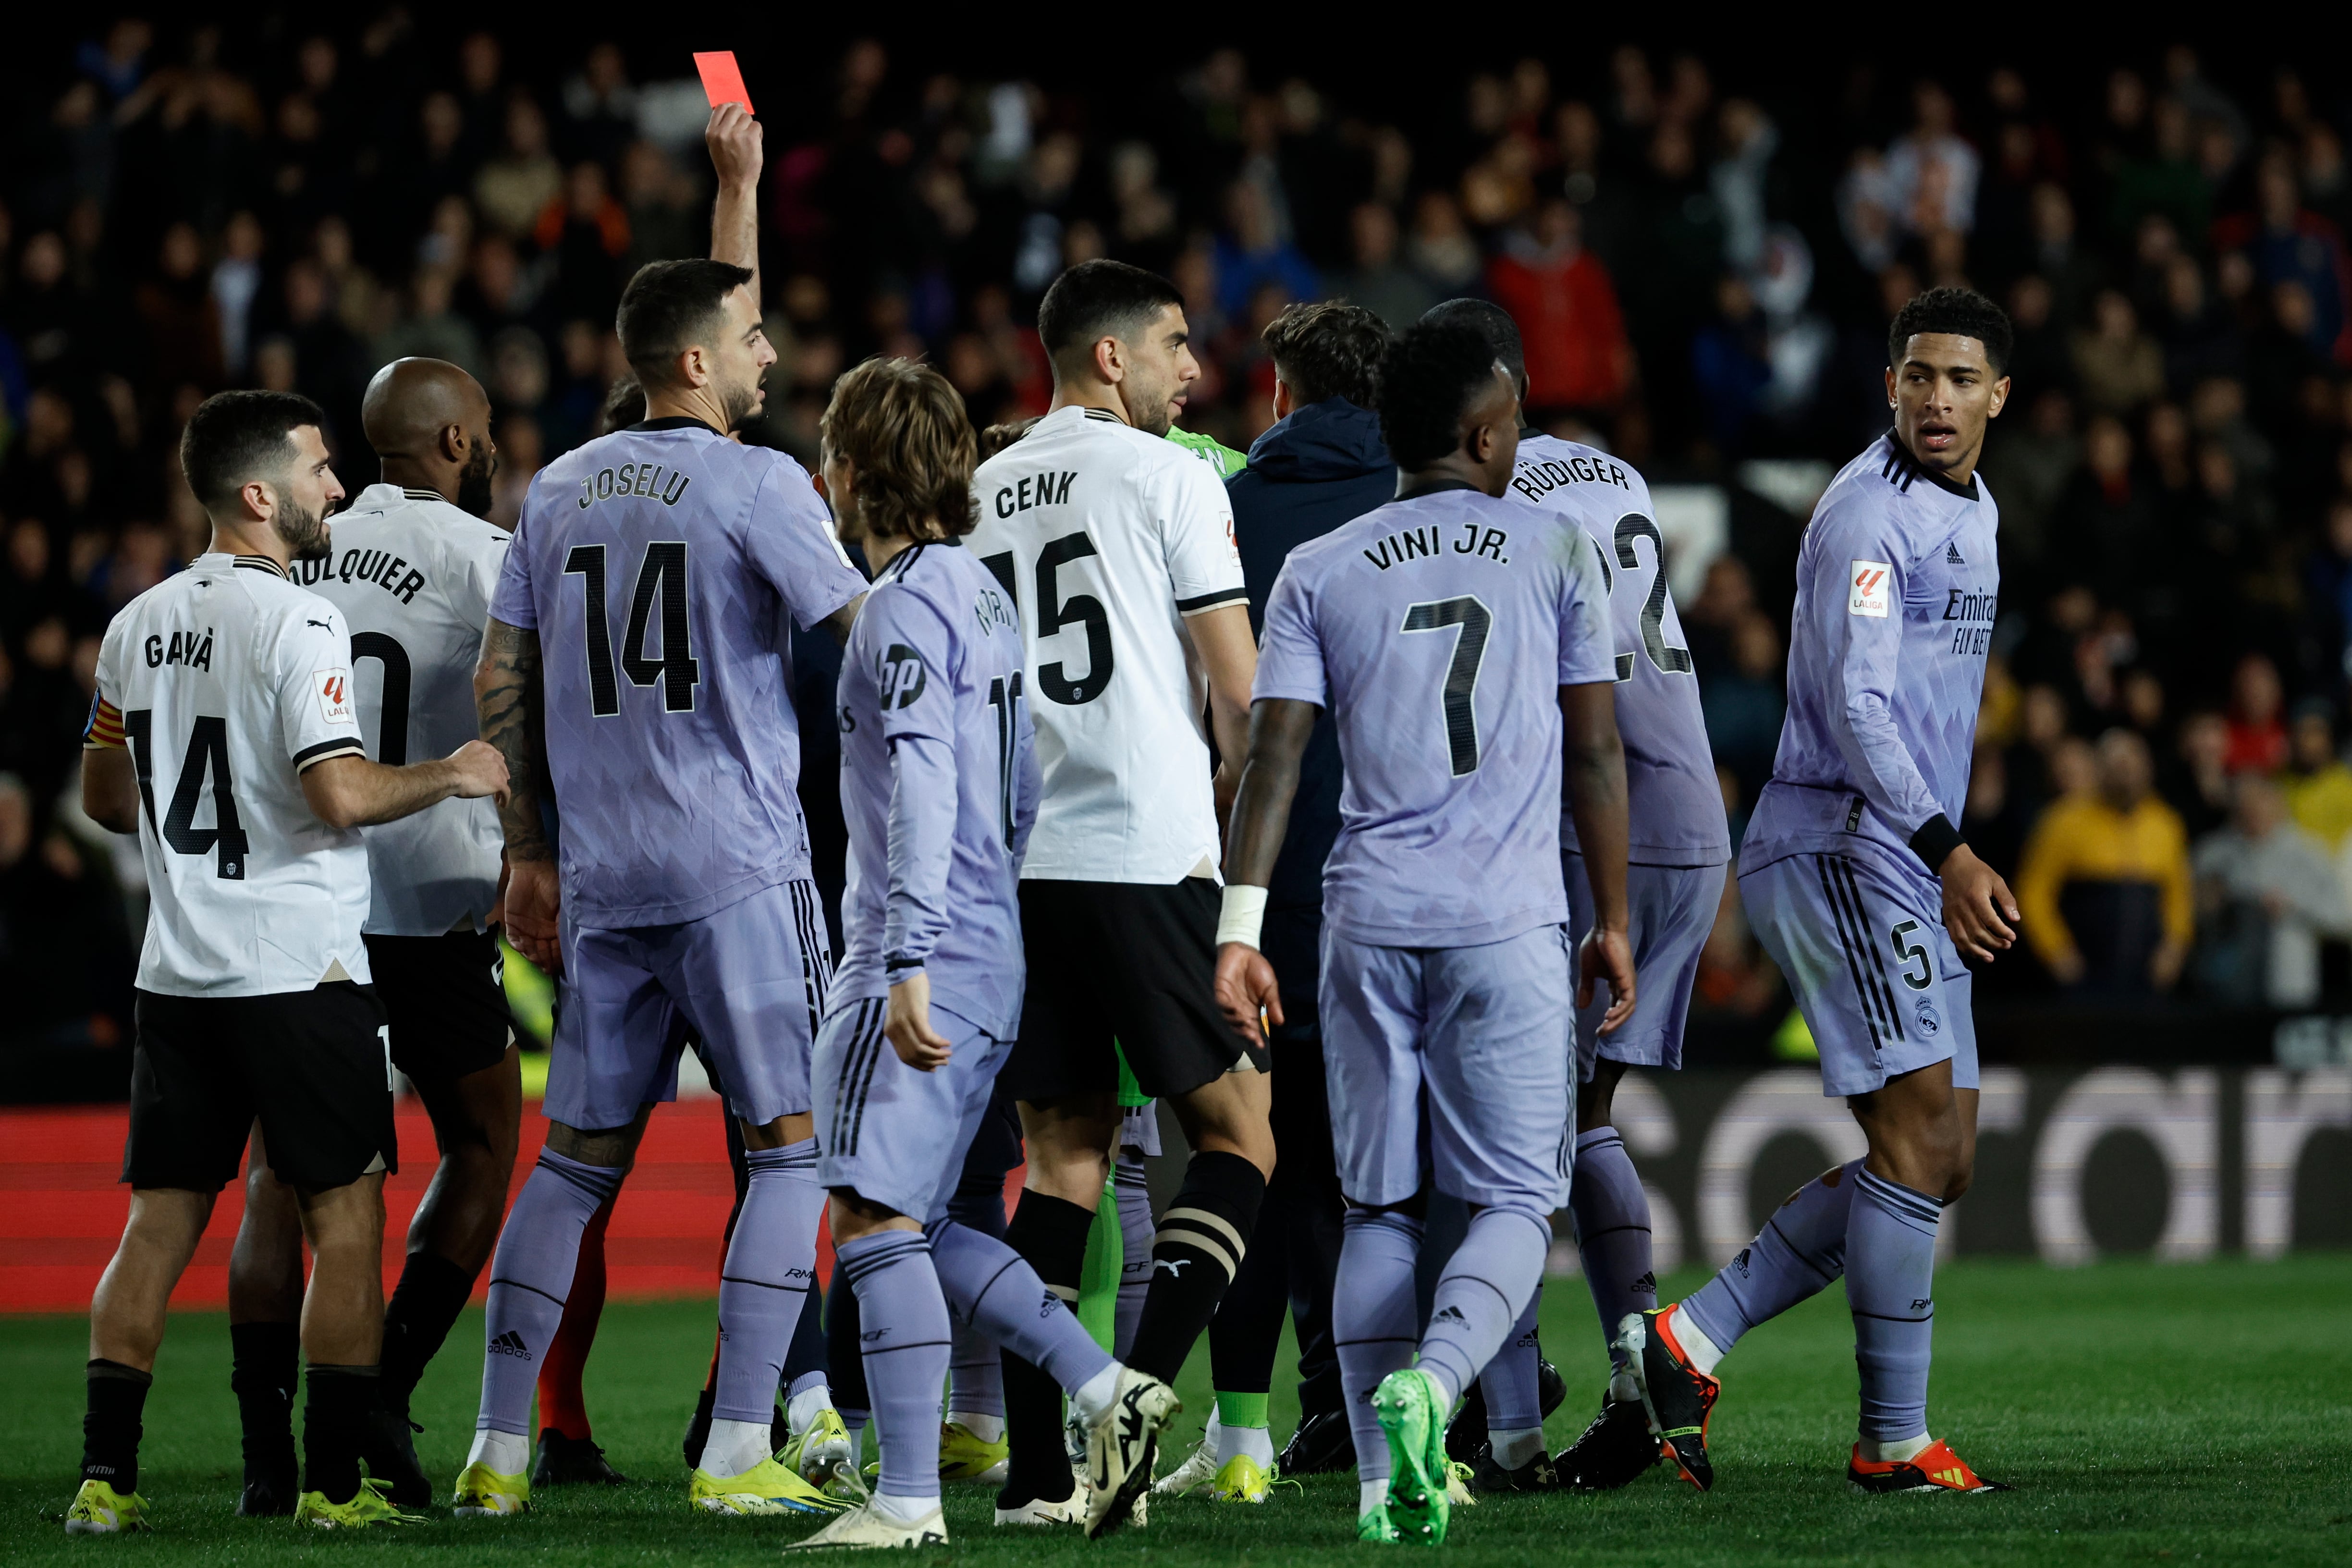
194 649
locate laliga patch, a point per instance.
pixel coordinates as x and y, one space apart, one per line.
1868 589
334 688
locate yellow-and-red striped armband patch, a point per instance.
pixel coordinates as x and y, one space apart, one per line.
104 730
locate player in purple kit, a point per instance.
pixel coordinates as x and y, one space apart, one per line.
938 787
1677 847
1868 899
640 626
1461 644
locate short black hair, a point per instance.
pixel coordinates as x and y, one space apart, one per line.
1101 297
1328 349
1432 374
237 436
666 305
1502 333
1963 313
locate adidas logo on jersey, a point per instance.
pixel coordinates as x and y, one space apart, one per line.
510 1343
1448 1315
1952 554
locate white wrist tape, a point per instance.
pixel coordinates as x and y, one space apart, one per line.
1243 913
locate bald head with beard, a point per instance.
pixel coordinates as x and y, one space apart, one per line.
429 423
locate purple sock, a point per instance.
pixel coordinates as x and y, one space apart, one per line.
1372 1314
975 1374
1514 1399
530 1276
769 1267
1136 1233
1484 1289
993 1289
1613 1231
1890 1280
1800 1251
903 1321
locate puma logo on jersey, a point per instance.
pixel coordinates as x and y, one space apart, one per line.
322 626
184 649
1867 589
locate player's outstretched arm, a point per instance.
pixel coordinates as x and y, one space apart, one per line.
508 697
736 153
109 789
352 791
1278 732
1595 762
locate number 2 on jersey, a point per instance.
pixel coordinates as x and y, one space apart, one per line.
1665 656
1474 620
662 572
207 754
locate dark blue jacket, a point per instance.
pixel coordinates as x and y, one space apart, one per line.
1322 466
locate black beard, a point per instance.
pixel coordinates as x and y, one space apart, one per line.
474 488
304 533
741 407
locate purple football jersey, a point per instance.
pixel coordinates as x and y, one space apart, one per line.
659 566
1438 631
938 786
1675 803
1898 582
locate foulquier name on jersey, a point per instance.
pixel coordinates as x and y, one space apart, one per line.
1413 544
388 571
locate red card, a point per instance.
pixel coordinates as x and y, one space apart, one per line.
722 80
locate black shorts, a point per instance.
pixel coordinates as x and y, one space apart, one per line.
1130 962
312 1064
446 999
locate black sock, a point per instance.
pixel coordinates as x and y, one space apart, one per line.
810 1349
431 1293
266 1362
334 1419
1202 1238
844 1361
1050 1234
110 1426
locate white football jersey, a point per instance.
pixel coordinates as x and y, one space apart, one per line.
412 575
1108 538
226 681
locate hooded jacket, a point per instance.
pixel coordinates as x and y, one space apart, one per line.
1321 466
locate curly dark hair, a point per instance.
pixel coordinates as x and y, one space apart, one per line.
1328 349
1432 374
1962 312
904 429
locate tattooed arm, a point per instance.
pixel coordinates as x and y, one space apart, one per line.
508 697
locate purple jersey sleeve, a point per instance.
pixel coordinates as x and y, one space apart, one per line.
1588 653
1289 659
1855 569
791 543
916 709
511 600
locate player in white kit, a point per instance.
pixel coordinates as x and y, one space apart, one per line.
412 570
225 734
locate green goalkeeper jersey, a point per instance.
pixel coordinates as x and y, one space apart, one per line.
1209 450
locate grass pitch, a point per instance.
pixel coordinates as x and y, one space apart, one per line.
2145 1414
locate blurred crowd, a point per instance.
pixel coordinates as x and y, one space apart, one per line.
1703 259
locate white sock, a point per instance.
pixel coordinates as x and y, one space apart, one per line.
902 1510
801 1410
1896 1451
1371 1495
1253 1443
1515 1446
1092 1398
987 1428
506 1453
735 1447
1696 1344
1445 1391
1214 1437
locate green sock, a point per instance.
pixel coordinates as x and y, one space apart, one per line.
1242 1409
1098 1279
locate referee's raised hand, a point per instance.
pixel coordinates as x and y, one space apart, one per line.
736 150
